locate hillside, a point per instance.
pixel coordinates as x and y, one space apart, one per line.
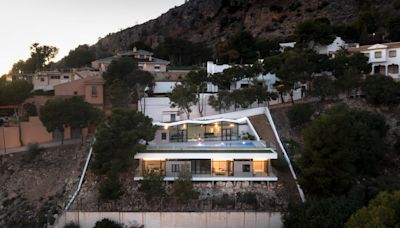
213 20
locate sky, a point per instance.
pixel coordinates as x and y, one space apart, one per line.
66 24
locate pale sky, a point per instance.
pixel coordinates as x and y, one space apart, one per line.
67 23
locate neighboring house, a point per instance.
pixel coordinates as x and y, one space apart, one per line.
90 88
330 49
145 60
216 149
384 58
46 80
284 46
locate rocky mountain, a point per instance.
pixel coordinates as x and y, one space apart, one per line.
215 20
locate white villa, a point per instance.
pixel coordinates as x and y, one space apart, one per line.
385 58
214 149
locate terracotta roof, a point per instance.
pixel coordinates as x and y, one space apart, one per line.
365 47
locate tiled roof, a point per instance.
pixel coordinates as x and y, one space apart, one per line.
366 47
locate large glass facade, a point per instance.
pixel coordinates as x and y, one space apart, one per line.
220 131
201 167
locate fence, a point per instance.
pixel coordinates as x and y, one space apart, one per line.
176 219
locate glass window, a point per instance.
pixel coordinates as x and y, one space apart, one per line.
378 54
175 168
66 77
94 91
42 79
246 168
173 117
392 53
54 77
163 136
393 69
157 67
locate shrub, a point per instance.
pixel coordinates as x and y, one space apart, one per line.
183 187
111 188
381 90
152 185
72 225
300 114
383 211
331 212
107 223
33 151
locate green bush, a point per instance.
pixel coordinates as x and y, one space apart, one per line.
107 223
183 187
111 188
153 185
300 114
33 151
72 225
383 211
331 212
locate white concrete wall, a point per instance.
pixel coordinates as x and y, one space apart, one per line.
177 220
385 60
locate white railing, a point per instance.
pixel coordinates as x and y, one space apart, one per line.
271 121
81 179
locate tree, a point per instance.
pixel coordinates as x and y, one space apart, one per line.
197 80
300 114
324 86
182 52
319 31
57 114
40 58
15 92
81 56
54 116
126 82
330 212
339 147
381 90
85 117
183 98
383 211
118 93
117 140
183 187
152 185
110 188
221 101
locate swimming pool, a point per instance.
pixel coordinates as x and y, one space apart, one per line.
227 144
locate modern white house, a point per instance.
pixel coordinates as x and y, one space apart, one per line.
212 148
158 107
384 58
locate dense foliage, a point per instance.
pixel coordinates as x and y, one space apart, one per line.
81 56
300 114
383 211
152 185
107 223
117 140
183 52
316 213
183 187
381 90
15 92
58 113
40 58
338 148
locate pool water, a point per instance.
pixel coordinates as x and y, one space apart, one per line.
228 144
